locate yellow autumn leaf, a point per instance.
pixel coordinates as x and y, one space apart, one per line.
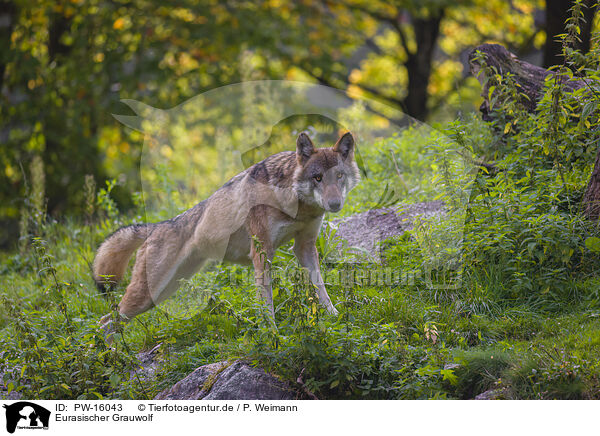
118 24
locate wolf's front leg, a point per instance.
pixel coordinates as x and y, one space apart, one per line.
306 252
262 255
110 325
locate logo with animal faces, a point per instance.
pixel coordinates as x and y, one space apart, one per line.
24 415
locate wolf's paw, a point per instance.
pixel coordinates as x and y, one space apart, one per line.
108 327
333 311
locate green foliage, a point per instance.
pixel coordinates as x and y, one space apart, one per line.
46 360
342 358
549 374
51 354
67 66
388 342
104 201
524 228
525 321
479 371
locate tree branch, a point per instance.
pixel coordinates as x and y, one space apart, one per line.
328 82
403 39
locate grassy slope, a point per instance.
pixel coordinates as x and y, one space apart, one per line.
389 341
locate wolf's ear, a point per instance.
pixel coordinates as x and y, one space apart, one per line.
304 148
345 145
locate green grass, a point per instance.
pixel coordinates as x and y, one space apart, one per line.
388 342
525 320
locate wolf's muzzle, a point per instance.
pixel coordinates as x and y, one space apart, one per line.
334 205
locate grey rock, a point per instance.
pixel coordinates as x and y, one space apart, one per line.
242 382
452 366
492 394
148 363
4 394
13 396
193 387
229 381
366 230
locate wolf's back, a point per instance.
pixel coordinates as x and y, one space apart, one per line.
114 253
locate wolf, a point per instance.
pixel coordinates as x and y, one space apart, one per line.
281 198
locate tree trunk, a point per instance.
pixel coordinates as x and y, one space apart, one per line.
529 78
557 12
8 18
54 123
556 15
591 198
418 65
587 26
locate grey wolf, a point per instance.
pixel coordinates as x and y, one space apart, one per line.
281 198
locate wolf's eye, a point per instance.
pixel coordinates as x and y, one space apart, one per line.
318 177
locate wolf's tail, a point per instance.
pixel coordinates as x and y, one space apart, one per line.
114 253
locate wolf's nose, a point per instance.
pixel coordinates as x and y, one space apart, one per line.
335 205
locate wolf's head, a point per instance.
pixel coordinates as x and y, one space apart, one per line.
324 176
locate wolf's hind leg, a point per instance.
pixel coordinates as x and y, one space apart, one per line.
156 274
137 298
135 301
146 290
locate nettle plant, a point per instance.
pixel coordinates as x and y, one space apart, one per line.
525 229
59 354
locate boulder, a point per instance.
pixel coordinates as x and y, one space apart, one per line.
492 394
4 394
229 381
365 231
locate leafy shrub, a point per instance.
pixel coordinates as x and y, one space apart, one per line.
524 228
